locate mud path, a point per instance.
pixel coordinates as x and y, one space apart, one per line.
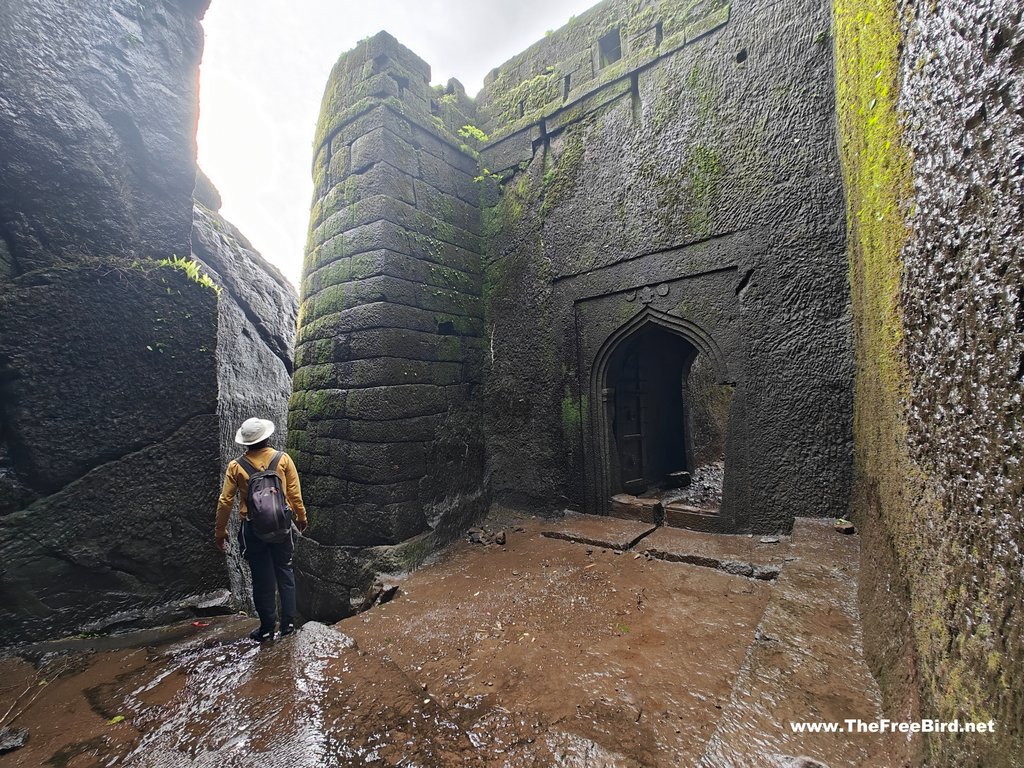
541 652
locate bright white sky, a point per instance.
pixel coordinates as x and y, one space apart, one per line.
265 67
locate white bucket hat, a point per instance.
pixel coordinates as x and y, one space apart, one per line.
253 431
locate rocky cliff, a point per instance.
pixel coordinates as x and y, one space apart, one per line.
931 122
255 333
123 373
109 392
98 109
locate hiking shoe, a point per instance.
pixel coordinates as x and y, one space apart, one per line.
287 629
261 635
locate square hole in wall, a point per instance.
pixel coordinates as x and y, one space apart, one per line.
609 48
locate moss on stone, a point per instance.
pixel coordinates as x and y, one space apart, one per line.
573 408
315 377
322 404
499 218
560 180
706 169
513 102
877 171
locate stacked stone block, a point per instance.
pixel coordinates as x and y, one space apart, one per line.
390 324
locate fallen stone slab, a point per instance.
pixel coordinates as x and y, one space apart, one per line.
681 515
738 555
680 479
608 532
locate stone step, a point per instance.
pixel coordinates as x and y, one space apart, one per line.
627 507
680 515
598 531
735 554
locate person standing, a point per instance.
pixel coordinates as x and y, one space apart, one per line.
269 557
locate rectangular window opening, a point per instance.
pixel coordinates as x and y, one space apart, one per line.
659 34
609 48
565 87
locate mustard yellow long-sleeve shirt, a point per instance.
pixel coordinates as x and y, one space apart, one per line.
236 480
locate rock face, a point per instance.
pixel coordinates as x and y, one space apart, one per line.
98 107
931 123
258 311
382 422
109 392
255 336
122 381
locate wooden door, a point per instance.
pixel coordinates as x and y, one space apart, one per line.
630 419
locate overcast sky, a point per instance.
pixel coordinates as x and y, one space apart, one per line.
264 69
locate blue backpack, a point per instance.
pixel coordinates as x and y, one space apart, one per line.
269 516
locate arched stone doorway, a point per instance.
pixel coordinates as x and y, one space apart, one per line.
662 411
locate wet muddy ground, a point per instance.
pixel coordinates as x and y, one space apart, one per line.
585 642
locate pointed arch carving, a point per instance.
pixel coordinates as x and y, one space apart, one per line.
602 448
690 331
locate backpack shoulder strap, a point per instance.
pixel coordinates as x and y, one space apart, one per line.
272 467
245 464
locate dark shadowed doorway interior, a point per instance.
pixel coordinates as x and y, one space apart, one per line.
668 419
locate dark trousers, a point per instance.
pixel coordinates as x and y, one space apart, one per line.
271 565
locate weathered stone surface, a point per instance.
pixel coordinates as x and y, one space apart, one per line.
809 630
102 96
929 111
599 531
374 264
382 421
680 515
434 304
255 338
111 425
630 507
641 204
739 555
257 313
80 393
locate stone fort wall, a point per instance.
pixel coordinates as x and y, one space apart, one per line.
692 182
472 266
390 341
